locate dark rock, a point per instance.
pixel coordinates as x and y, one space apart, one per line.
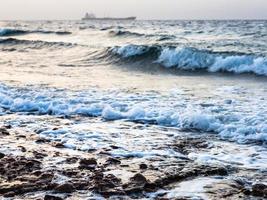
2 155
17 188
139 178
124 165
21 136
71 160
186 145
42 140
23 149
71 172
39 155
91 150
190 171
36 173
52 197
259 189
143 166
137 184
4 131
114 147
46 175
58 145
112 161
8 126
12 167
107 185
65 188
89 163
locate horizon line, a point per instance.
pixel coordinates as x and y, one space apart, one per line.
178 19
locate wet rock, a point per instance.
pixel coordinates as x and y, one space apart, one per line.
52 197
190 171
124 165
21 136
4 131
17 188
22 148
114 147
143 166
2 155
8 126
259 189
91 150
137 184
46 176
42 140
112 161
105 153
39 155
36 173
89 163
107 185
12 167
187 145
71 173
58 145
139 178
71 160
65 188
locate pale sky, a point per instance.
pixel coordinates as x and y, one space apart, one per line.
143 9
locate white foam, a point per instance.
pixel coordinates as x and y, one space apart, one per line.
130 50
241 121
253 157
193 59
187 58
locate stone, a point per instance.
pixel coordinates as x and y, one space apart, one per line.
112 161
4 131
65 188
2 155
58 145
259 189
139 178
143 166
52 197
23 149
89 163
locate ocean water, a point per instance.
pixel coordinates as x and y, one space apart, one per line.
188 77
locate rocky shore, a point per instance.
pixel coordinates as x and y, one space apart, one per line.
32 167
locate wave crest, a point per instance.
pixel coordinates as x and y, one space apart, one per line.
187 58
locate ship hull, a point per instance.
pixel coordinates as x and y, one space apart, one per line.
111 19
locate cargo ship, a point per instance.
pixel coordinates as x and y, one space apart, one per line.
93 17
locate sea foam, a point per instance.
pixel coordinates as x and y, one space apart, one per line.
239 121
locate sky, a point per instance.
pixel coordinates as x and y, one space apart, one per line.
143 9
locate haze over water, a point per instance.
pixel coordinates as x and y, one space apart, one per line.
147 9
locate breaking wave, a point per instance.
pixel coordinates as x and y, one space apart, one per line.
14 32
187 58
223 119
